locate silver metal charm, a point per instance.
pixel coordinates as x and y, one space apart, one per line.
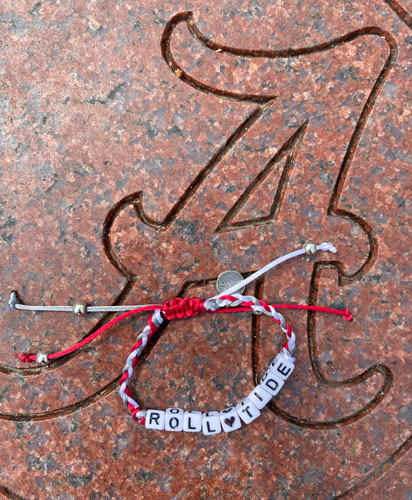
228 279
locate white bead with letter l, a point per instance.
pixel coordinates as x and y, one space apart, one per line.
281 367
155 419
211 423
192 421
174 419
271 383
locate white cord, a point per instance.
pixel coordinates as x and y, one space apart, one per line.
325 246
308 248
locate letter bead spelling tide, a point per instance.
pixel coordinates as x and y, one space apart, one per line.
247 411
281 366
271 382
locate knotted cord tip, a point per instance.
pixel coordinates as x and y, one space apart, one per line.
327 246
26 357
13 300
347 315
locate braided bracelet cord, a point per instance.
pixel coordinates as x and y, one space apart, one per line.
184 308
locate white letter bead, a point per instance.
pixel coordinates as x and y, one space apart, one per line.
211 423
247 411
230 419
155 419
260 397
271 383
192 421
281 367
174 419
212 414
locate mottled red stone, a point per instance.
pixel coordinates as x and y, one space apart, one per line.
130 159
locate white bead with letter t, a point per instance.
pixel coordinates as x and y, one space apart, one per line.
247 411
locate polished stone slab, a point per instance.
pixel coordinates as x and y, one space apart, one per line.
145 148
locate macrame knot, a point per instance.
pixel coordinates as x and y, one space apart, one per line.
182 308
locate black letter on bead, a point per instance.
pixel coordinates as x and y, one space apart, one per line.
271 386
176 420
227 410
190 424
246 409
154 417
208 427
283 369
257 395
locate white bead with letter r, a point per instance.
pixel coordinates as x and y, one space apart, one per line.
155 419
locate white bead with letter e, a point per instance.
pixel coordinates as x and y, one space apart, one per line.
281 366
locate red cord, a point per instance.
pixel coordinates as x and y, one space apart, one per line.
180 308
28 357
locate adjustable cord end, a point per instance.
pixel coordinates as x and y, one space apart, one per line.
326 246
26 357
13 299
41 358
347 315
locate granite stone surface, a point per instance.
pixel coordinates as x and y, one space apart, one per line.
146 147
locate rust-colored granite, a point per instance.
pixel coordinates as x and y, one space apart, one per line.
145 150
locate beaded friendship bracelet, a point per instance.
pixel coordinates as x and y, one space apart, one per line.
229 419
176 419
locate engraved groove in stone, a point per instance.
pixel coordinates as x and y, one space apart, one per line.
356 380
